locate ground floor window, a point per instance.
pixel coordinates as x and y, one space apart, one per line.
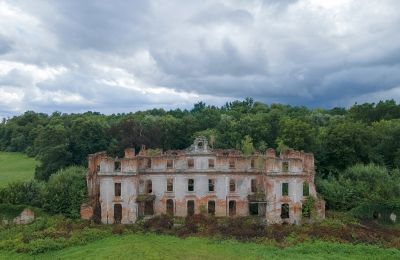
190 207
232 208
170 207
253 209
211 207
117 213
285 211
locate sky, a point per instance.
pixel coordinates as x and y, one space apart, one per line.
121 56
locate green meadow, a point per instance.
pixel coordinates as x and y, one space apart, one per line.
15 167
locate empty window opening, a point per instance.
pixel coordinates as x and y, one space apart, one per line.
98 168
117 213
285 166
149 186
210 163
190 207
200 145
117 166
211 185
170 207
211 207
190 163
170 184
149 208
252 164
305 211
253 185
117 189
148 163
285 211
170 164
285 189
231 163
306 189
191 185
253 209
232 185
232 208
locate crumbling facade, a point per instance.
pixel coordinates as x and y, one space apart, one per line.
201 180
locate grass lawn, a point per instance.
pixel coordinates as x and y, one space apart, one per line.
151 246
15 167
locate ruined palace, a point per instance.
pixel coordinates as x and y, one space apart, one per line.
201 180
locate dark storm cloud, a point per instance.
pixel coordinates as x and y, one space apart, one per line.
116 56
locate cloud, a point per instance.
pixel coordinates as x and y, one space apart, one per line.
121 56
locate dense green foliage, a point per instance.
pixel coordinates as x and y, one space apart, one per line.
15 167
340 138
66 191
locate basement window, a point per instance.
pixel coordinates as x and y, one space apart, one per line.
285 189
117 166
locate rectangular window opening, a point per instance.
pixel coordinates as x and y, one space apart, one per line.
211 207
232 185
253 185
285 189
285 166
149 186
232 208
253 164
191 185
170 184
170 164
285 211
231 163
190 207
210 163
306 189
211 185
190 163
117 166
117 189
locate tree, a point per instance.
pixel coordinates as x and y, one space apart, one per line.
247 145
296 134
66 191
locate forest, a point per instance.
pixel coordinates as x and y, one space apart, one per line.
357 149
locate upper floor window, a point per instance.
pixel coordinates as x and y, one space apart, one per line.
190 184
98 168
117 189
210 163
252 164
253 185
285 166
190 163
170 163
211 185
285 189
306 189
170 184
149 186
232 185
117 166
231 163
148 163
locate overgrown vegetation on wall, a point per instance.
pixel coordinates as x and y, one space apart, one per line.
340 138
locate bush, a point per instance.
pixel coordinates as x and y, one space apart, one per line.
66 191
26 193
159 224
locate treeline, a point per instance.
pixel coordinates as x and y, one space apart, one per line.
339 137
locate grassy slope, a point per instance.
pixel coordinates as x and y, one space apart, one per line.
150 246
15 167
